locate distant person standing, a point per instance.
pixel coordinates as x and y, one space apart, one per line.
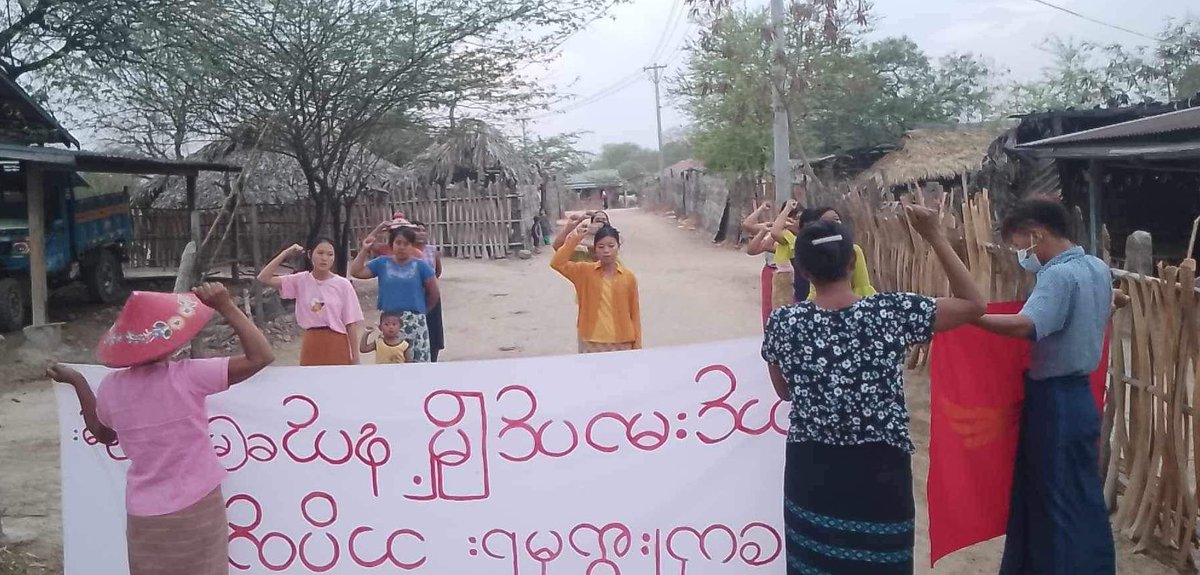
540 232
604 198
1057 522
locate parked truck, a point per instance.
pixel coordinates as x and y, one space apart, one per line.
87 232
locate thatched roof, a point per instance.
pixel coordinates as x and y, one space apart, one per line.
474 150
271 178
932 155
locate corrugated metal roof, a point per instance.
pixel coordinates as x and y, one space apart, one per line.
1182 120
85 161
1106 151
593 179
26 121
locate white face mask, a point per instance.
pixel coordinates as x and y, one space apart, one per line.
1028 260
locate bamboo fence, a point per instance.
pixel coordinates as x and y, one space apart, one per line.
467 221
471 221
1151 451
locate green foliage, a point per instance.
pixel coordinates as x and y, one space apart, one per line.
631 160
1087 74
734 148
559 154
322 81
843 91
39 35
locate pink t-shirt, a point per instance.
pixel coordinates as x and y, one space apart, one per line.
158 413
330 303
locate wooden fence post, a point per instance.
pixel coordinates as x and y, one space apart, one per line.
1139 253
256 256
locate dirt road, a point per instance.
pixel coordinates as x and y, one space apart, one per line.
691 291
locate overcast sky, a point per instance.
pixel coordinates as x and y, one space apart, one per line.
1008 32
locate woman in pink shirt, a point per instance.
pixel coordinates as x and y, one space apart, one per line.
154 405
327 306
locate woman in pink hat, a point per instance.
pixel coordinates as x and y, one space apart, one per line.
155 405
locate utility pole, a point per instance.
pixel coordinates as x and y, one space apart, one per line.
783 161
656 70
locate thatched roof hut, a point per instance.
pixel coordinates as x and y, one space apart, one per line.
271 178
931 154
474 150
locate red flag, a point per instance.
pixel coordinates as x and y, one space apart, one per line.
977 387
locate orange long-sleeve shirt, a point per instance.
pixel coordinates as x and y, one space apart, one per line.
588 278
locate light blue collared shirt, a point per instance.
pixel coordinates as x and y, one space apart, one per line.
1070 308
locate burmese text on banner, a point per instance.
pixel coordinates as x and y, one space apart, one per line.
658 461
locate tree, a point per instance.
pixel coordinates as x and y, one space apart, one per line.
317 78
631 160
43 33
844 92
678 146
1087 74
558 154
156 106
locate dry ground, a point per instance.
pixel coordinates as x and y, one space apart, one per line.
691 292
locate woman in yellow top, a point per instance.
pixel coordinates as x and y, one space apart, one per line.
860 278
784 231
609 312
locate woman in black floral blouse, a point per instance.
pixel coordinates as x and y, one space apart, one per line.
839 359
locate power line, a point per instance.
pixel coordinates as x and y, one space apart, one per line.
1094 21
668 29
610 90
675 16
681 45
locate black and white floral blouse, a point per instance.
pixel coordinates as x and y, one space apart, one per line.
845 367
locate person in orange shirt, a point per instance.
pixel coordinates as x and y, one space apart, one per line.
609 313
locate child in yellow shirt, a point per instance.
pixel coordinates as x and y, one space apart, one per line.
389 346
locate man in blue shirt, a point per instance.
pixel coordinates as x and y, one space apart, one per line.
1058 522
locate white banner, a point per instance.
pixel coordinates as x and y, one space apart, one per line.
659 462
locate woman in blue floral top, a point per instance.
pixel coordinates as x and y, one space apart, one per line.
839 358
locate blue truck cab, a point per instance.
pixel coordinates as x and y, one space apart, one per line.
86 237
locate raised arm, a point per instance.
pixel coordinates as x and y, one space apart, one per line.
267 275
751 224
256 350
87 402
779 227
561 262
966 303
367 345
358 267
563 234
761 243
